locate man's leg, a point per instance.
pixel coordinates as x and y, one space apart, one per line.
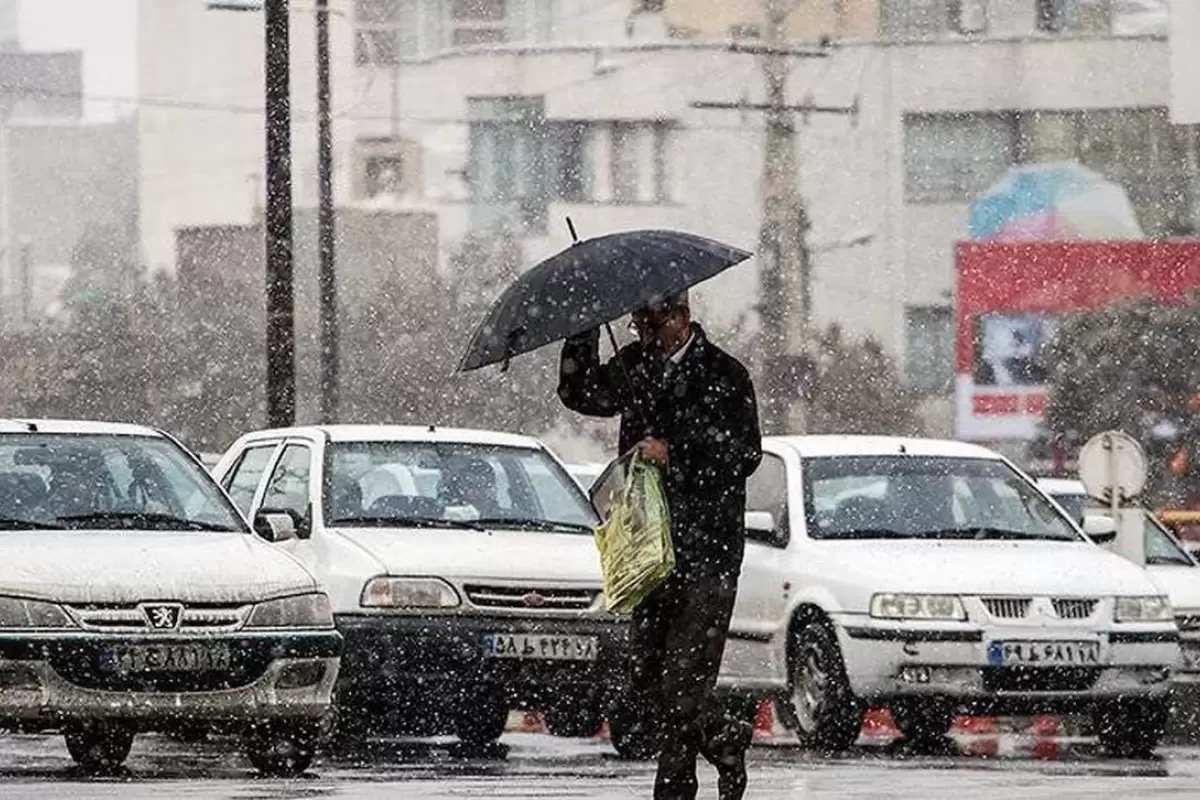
694 646
641 704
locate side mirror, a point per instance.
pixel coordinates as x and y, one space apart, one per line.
276 525
1099 528
761 526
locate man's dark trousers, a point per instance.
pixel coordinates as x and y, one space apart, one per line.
678 639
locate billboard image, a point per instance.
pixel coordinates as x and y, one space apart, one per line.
1010 298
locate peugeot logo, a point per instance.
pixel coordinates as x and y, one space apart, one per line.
163 616
534 600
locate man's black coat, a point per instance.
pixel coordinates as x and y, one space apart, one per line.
705 409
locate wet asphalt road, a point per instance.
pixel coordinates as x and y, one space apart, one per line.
540 767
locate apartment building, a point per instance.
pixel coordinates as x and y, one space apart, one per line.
522 112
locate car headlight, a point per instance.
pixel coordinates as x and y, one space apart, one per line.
917 606
298 611
386 592
18 613
1143 608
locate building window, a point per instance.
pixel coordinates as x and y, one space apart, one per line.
968 16
929 348
569 161
506 162
639 162
950 158
386 166
1075 16
377 32
478 22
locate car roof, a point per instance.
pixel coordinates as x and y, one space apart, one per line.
855 445
75 427
1061 486
401 433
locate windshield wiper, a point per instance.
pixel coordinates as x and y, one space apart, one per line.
534 524
151 520
17 524
984 532
408 522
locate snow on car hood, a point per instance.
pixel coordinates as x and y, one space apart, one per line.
500 554
129 566
1036 567
1181 584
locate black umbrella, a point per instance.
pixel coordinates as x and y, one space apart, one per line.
590 284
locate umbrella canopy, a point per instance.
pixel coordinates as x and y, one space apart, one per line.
592 283
1059 201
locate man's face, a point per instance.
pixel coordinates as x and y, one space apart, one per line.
661 329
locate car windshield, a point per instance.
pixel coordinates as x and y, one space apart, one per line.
93 482
388 483
926 497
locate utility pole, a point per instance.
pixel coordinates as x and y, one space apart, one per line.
281 330
325 223
783 245
26 282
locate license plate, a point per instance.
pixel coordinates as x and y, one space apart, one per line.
545 648
1044 654
168 658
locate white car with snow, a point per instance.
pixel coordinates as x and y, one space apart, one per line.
1169 563
462 569
934 578
134 597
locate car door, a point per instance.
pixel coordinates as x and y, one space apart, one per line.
291 487
243 481
762 598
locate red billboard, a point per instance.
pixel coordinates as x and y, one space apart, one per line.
1008 299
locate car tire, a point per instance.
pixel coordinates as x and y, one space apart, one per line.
481 723
1131 729
574 718
923 722
282 750
100 746
827 715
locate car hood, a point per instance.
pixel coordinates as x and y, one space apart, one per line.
498 554
130 566
1181 584
1036 567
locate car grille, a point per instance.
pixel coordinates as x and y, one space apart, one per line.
1019 607
129 617
528 598
1039 679
1007 607
1188 622
1074 608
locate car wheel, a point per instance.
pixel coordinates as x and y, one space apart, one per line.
100 746
573 718
1131 729
923 721
828 716
281 750
481 723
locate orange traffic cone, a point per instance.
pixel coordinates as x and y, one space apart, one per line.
878 723
764 721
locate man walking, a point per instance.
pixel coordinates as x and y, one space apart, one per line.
690 408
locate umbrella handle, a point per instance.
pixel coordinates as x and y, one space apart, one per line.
633 395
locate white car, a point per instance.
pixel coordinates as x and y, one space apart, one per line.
586 474
134 597
935 578
462 568
1169 563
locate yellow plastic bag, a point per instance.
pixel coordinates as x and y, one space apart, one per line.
636 551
